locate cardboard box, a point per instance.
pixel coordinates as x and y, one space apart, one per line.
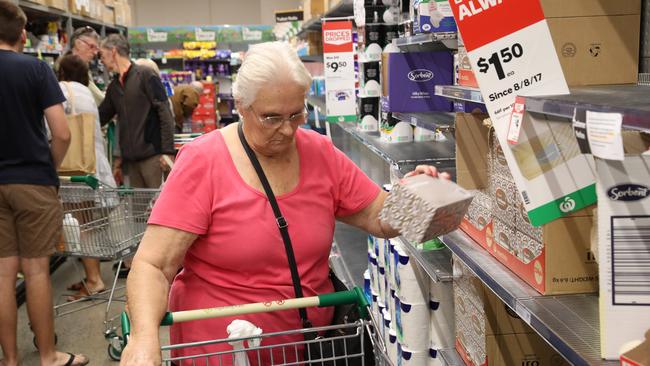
597 42
314 8
57 4
490 333
639 355
624 248
97 9
471 150
120 14
409 80
108 15
110 3
79 7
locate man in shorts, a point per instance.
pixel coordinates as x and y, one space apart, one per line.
30 212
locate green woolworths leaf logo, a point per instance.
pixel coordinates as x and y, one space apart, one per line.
567 205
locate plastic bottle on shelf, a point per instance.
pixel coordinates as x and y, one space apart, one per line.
71 233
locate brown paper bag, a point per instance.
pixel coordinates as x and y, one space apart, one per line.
80 157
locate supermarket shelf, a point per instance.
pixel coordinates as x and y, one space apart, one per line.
410 153
457 92
436 263
451 357
343 8
52 13
34 51
317 101
632 101
430 121
569 323
312 58
428 42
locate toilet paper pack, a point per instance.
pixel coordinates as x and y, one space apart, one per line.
441 305
412 284
412 325
422 207
409 357
433 16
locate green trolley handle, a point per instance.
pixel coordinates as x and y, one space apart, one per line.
89 180
354 296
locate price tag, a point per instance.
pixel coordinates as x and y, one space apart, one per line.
604 135
338 56
523 313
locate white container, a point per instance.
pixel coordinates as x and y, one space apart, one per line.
372 88
369 124
412 325
71 233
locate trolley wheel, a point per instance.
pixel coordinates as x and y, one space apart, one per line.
114 353
56 340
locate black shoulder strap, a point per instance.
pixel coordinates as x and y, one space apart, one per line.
281 222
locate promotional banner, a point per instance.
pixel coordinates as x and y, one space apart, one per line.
338 56
512 54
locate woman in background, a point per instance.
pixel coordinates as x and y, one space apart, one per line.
74 80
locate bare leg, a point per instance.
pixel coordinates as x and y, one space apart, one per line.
93 274
8 316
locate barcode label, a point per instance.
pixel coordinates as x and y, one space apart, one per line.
630 260
524 195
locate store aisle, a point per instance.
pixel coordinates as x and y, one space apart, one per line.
80 332
354 248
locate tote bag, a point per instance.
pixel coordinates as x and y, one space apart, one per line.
80 157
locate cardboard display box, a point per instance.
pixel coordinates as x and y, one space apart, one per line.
624 248
79 7
555 258
597 42
490 333
108 15
314 8
409 80
57 4
639 355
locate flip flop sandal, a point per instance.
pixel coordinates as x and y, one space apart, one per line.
76 286
71 361
84 295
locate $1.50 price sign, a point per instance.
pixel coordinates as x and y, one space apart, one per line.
338 56
510 47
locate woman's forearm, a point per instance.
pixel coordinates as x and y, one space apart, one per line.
147 293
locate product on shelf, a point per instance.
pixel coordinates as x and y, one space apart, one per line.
488 332
422 208
466 75
433 16
554 258
597 42
624 249
409 80
315 8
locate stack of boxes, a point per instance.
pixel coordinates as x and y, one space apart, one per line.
204 117
490 333
430 16
416 313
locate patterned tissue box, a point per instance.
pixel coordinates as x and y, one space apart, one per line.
422 207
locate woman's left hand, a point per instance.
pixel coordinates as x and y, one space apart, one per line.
428 170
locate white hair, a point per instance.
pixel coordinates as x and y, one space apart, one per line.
197 85
266 63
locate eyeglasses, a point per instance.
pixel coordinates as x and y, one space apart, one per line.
274 122
92 46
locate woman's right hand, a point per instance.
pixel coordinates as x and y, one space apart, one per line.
142 353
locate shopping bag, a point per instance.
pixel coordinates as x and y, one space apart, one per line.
80 157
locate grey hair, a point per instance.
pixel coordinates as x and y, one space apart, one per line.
197 85
265 63
147 62
118 42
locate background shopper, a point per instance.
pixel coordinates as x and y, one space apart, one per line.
84 43
138 99
30 212
73 79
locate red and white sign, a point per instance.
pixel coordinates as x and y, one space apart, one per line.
338 56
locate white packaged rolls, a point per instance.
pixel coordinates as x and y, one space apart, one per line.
412 286
412 323
441 304
407 357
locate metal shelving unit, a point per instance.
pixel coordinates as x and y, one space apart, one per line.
47 12
569 323
343 8
436 263
632 101
34 51
428 42
457 92
405 154
431 121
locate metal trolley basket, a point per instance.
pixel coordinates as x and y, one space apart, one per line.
104 223
291 353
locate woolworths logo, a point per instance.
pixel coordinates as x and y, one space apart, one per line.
567 205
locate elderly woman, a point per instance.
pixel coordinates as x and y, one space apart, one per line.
214 218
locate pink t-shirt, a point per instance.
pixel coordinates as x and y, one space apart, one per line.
239 256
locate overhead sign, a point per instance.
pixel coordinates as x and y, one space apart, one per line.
289 16
338 56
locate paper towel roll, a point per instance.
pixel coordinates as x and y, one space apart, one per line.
393 308
392 346
374 307
412 323
410 286
374 272
381 252
367 288
382 283
371 243
441 304
407 357
387 320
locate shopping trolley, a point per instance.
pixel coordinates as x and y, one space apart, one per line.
286 353
104 223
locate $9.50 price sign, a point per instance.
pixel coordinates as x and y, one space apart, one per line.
339 71
511 51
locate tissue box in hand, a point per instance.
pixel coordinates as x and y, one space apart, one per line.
422 207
